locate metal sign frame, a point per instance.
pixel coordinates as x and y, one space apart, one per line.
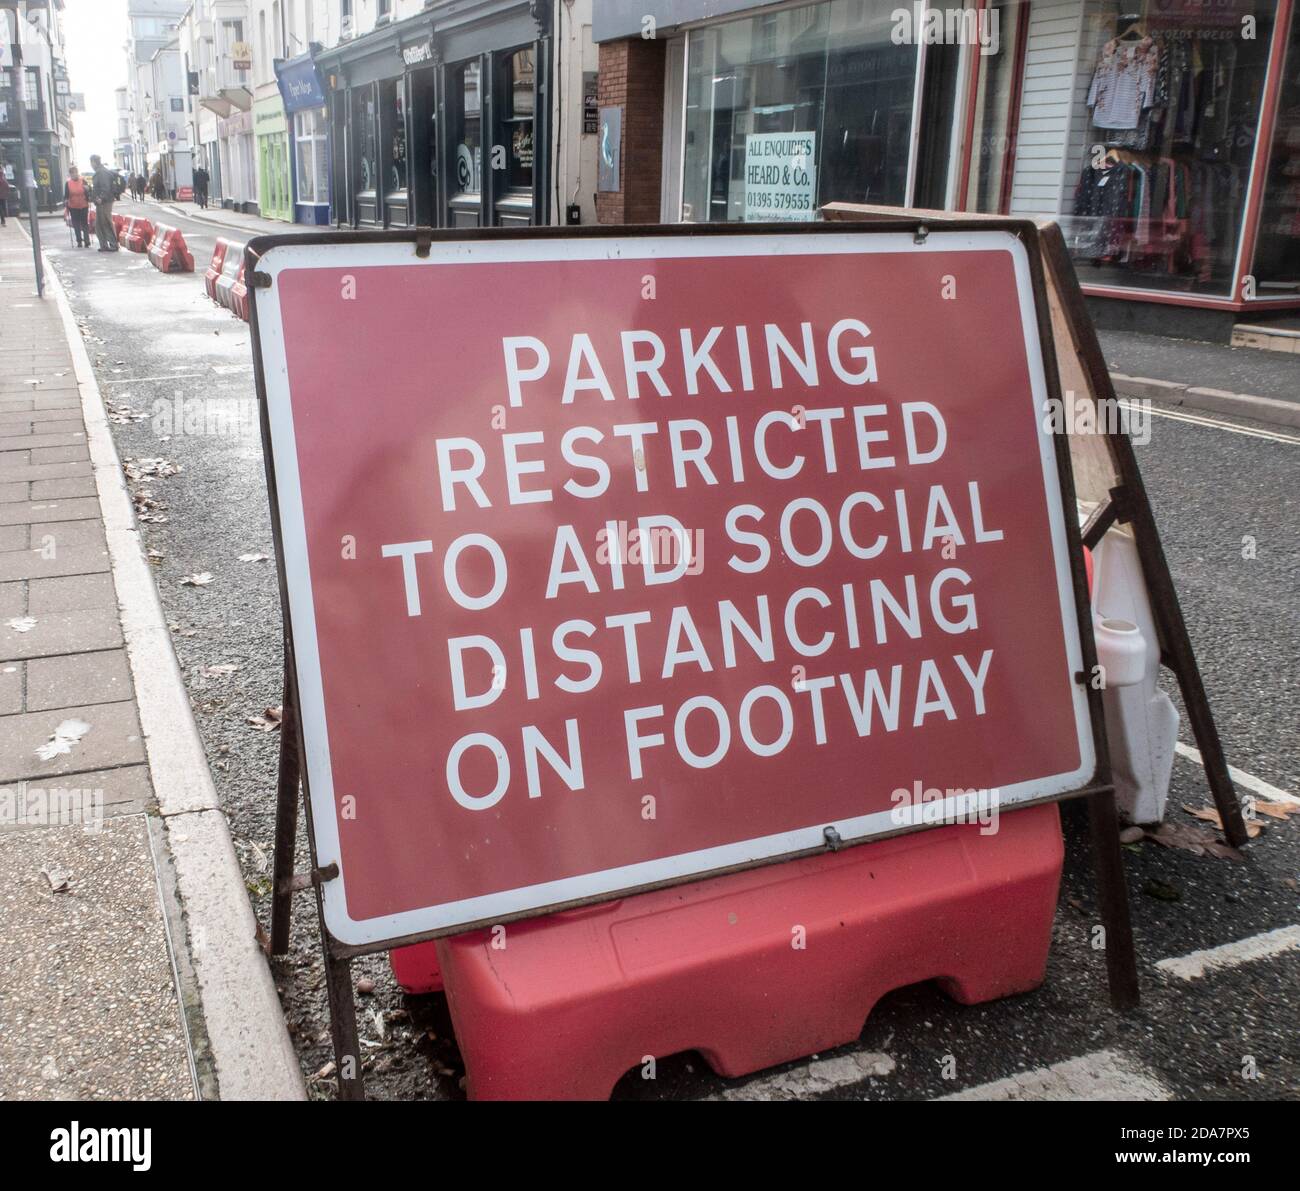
292 780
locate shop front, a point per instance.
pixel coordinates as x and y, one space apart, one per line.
274 184
236 159
434 120
1164 135
305 109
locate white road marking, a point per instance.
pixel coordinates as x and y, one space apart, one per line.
139 380
1231 955
1261 789
809 1079
1102 1075
1179 415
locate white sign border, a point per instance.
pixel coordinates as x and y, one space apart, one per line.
373 932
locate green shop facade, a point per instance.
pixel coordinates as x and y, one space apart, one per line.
274 183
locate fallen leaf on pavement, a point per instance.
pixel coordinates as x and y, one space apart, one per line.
1275 810
1210 814
60 880
139 469
253 557
202 579
65 736
1162 890
1187 838
22 624
268 721
219 670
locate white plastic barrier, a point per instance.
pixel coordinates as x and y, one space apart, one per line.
1141 720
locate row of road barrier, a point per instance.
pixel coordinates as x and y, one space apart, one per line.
223 279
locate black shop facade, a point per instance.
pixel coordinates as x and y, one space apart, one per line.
442 120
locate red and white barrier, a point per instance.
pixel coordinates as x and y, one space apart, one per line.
138 234
220 250
167 250
231 292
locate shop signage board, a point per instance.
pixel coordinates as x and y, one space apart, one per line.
715 562
780 177
590 102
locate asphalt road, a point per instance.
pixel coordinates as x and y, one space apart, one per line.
1228 1035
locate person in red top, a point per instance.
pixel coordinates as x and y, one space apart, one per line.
76 201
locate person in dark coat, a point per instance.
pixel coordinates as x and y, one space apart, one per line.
103 192
201 180
5 191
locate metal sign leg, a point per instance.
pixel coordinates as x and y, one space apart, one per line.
1112 900
286 822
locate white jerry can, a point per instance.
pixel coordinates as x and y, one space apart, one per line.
1141 720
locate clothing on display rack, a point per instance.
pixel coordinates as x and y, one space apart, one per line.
1166 194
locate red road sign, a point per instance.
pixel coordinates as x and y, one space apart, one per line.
615 561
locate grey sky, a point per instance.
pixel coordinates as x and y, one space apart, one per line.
96 31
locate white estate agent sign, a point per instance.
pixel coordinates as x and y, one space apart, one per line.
780 176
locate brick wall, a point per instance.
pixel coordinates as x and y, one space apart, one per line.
632 77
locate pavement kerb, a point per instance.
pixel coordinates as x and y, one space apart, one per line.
201 216
1242 405
252 1053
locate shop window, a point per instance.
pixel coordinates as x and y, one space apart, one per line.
312 160
789 110
1162 143
367 139
1276 269
393 97
517 86
467 129
996 120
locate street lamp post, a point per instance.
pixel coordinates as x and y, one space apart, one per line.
29 176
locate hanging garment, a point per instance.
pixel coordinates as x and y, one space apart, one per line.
1124 83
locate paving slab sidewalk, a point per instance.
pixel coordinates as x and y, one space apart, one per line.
128 965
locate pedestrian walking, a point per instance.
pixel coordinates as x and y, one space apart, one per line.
5 188
76 202
103 191
137 187
156 186
201 187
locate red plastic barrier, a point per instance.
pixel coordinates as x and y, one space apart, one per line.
167 250
119 224
138 234
577 999
239 293
232 272
215 265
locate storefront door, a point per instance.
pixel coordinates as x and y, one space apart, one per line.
464 144
366 177
423 149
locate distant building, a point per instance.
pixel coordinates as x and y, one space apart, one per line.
156 93
45 90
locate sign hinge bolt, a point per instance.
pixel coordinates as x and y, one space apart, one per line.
423 241
317 876
832 838
921 235
261 280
